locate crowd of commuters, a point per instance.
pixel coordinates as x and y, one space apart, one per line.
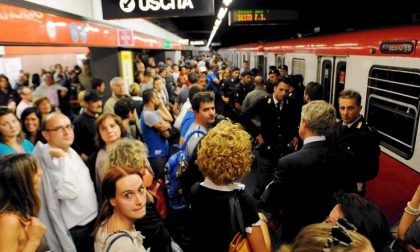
95 179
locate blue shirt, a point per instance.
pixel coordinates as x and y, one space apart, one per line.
186 123
27 146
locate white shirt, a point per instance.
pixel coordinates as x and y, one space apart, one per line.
75 189
313 139
21 107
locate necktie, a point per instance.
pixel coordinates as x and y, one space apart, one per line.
278 105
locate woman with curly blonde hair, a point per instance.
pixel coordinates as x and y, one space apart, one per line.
224 156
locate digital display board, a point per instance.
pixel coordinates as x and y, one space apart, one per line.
397 47
261 16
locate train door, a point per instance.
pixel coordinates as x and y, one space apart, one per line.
261 64
332 77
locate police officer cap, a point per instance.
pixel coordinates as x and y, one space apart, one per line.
245 73
284 67
274 71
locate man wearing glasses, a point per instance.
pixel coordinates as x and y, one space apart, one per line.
67 194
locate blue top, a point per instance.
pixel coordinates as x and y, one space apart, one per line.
27 146
212 85
157 145
186 122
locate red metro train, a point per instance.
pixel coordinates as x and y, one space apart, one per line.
384 66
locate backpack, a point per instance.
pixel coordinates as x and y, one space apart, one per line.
174 168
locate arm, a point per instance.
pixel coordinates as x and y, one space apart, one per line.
164 112
10 230
407 219
251 112
256 239
162 128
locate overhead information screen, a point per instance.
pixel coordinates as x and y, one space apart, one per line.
261 16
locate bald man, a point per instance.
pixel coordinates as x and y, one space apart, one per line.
67 194
256 94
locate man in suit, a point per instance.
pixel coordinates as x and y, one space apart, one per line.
278 133
305 181
354 136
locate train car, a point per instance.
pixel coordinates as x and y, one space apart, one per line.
384 66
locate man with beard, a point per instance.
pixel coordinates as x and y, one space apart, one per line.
155 132
204 113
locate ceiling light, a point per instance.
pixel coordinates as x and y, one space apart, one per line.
227 2
222 13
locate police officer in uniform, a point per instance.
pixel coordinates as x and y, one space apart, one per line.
227 92
358 139
278 133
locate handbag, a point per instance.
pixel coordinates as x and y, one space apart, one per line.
161 206
239 242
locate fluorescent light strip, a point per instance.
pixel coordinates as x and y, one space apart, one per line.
220 15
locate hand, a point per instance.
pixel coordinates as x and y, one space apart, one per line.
225 99
83 156
11 105
57 152
295 143
63 92
259 139
175 247
35 230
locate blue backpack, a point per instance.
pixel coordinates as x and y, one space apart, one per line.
174 168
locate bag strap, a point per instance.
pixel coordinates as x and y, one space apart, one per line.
236 213
187 138
115 236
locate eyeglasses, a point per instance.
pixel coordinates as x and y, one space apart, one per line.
339 234
61 128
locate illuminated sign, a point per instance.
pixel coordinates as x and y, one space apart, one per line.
397 47
113 9
261 16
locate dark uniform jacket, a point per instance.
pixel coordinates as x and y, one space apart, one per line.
362 143
227 90
278 127
304 185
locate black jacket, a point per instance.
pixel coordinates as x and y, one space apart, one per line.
278 128
362 143
304 184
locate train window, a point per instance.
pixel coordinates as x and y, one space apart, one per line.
279 60
298 67
326 79
339 82
393 100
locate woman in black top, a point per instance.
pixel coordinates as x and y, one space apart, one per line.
223 157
